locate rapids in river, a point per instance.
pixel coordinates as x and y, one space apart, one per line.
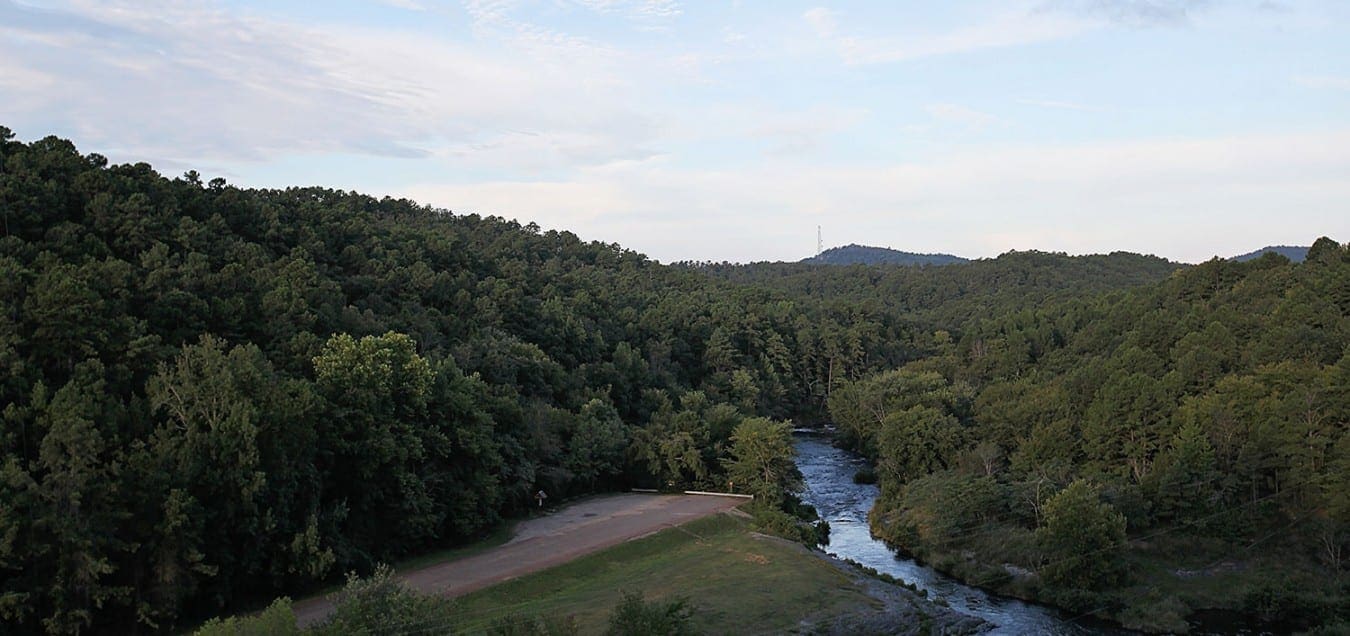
828 473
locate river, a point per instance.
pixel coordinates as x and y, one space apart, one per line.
828 473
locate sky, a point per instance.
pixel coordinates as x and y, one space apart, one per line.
732 131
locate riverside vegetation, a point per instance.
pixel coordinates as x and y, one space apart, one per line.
212 395
1142 454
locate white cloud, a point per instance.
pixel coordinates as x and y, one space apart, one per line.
190 83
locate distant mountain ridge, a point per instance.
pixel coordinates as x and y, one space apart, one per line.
853 254
1294 253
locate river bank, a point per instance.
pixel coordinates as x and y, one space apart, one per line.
739 581
828 474
1172 575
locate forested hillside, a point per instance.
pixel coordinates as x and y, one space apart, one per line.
211 395
948 297
1141 454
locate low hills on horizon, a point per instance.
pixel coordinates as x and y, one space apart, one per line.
854 254
1295 253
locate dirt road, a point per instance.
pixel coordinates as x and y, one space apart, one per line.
547 541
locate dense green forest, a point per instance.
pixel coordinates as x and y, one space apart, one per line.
211 395
1139 454
945 298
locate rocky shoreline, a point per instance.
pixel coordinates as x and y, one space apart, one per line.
903 611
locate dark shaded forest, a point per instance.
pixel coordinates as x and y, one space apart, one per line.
211 395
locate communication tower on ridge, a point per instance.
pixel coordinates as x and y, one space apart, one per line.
820 243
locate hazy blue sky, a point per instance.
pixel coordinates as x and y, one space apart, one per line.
730 130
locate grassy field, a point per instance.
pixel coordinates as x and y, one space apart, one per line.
739 583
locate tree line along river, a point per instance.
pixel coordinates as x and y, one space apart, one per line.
828 475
